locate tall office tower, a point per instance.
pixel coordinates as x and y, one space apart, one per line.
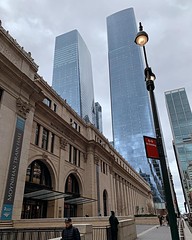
98 117
180 117
72 73
130 106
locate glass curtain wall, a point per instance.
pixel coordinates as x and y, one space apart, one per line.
72 73
180 117
130 106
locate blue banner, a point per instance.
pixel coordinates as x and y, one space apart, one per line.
9 196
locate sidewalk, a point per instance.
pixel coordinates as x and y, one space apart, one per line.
187 232
151 232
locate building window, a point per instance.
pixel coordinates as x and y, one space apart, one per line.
72 185
1 93
37 131
38 173
47 101
52 142
79 159
70 152
54 107
45 139
75 125
74 156
69 185
103 167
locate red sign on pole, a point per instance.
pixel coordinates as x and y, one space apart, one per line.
151 147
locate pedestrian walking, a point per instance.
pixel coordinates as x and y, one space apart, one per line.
114 225
70 232
160 220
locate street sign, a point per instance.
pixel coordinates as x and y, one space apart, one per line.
151 147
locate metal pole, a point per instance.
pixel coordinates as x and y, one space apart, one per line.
167 188
145 56
169 201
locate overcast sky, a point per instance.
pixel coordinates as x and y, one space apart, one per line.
36 23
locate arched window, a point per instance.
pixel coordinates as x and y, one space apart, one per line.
37 178
38 173
72 185
105 202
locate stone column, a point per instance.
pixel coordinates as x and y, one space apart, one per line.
112 193
126 200
77 159
123 197
72 153
132 200
118 195
115 192
98 185
90 180
60 181
49 142
40 136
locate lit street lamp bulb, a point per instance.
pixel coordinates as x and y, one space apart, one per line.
141 40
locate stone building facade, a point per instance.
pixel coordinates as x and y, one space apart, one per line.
54 164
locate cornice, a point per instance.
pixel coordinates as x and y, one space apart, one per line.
14 43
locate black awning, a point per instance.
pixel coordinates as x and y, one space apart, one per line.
79 200
45 194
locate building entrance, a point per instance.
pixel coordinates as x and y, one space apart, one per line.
34 209
70 210
38 179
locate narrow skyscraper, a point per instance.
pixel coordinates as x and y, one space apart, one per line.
130 106
72 73
98 117
180 117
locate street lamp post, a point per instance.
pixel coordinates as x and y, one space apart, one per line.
141 39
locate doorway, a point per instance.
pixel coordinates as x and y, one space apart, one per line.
37 178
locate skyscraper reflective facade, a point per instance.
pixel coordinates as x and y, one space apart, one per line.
180 117
98 117
130 106
72 73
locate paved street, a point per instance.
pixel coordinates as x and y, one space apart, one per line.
151 232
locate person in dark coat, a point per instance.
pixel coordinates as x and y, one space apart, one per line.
70 232
160 220
114 225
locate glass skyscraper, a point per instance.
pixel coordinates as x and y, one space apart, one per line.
130 106
98 117
72 73
180 117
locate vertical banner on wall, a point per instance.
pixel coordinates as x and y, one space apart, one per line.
7 209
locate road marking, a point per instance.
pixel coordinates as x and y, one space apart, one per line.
148 230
